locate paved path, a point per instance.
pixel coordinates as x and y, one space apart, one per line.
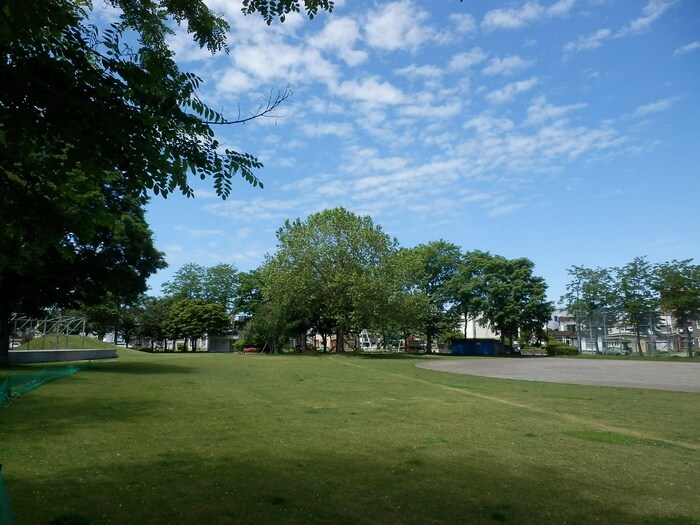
681 376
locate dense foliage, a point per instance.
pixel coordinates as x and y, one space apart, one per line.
337 273
92 120
635 295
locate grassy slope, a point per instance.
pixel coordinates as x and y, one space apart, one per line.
62 342
254 439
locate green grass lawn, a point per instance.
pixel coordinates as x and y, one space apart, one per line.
72 342
209 439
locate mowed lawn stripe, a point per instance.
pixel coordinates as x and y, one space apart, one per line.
591 422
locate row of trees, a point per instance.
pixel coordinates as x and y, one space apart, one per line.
635 295
335 274
338 273
198 302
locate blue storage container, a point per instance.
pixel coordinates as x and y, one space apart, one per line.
476 347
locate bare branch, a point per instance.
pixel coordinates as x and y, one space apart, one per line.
264 110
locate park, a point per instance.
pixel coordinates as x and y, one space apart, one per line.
423 115
233 438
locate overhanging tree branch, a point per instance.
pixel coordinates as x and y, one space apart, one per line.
264 110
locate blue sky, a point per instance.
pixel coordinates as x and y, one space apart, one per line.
565 132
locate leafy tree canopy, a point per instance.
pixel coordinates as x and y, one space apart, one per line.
216 284
193 319
330 265
92 120
512 298
432 267
678 285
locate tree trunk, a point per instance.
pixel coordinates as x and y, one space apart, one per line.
340 341
639 342
4 336
688 339
590 333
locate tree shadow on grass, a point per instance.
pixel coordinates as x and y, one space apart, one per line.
253 487
141 367
394 355
54 415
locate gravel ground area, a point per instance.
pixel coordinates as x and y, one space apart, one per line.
680 376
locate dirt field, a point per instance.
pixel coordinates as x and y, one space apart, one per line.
682 376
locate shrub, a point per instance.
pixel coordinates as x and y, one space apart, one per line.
561 349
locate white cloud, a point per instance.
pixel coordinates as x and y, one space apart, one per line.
254 210
501 210
324 129
512 18
654 107
508 92
464 22
234 82
426 109
398 26
470 195
426 71
561 8
515 18
185 48
500 146
540 110
587 43
688 48
650 14
506 66
105 13
468 59
196 232
340 35
487 125
283 61
371 90
323 106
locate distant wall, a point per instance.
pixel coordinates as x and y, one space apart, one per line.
54 356
220 344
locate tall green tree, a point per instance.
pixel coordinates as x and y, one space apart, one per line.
187 282
110 316
216 284
74 244
466 288
221 285
637 299
514 299
678 285
193 319
432 267
332 263
590 298
91 121
399 310
152 321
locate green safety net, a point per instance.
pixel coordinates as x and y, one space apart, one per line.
14 386
6 516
